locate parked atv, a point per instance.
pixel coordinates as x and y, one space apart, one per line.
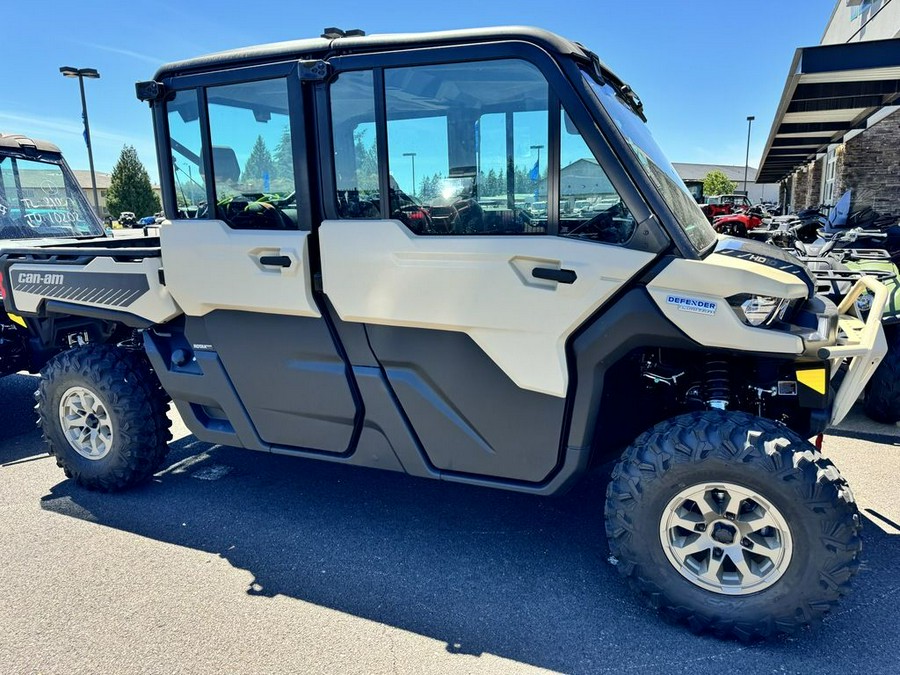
836 268
740 223
723 205
882 402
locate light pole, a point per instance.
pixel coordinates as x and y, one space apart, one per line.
82 73
412 156
750 119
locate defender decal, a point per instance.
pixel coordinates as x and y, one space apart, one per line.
695 305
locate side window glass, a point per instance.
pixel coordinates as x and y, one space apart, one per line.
589 206
354 141
187 166
252 155
468 147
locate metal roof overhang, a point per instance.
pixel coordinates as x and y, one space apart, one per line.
831 90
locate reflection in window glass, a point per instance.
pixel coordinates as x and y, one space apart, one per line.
252 155
184 136
39 199
355 149
658 169
589 206
468 147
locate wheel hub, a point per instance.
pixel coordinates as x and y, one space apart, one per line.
725 538
86 423
724 534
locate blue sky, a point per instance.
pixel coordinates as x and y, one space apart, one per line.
700 66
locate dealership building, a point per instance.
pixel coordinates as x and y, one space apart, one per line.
837 127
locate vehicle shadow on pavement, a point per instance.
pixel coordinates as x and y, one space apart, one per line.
484 571
18 430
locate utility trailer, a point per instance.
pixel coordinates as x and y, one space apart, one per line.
327 305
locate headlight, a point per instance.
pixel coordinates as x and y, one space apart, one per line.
758 310
864 302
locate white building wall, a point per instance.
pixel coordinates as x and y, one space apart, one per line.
863 20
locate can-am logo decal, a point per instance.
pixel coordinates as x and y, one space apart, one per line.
692 304
36 278
110 289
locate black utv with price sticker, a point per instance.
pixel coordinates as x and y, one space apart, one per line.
461 255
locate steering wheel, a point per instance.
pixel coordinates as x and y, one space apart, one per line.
601 226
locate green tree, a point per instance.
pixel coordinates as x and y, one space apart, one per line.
259 166
283 160
717 183
366 160
130 188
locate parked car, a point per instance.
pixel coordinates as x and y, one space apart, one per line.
127 219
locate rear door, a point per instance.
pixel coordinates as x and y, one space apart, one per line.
240 269
452 233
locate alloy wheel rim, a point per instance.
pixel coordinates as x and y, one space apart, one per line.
726 538
86 423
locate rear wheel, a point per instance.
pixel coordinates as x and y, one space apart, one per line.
103 415
732 524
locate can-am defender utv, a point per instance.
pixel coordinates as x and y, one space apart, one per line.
41 203
364 280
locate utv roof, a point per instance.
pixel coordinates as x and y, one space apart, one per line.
322 46
19 142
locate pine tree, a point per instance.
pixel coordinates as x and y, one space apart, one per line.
130 188
366 161
259 169
283 159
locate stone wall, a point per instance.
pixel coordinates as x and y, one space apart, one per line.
871 167
806 186
814 185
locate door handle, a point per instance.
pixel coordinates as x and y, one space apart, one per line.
275 260
553 274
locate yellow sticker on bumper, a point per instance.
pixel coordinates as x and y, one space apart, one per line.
17 319
814 379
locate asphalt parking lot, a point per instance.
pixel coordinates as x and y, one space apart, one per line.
234 561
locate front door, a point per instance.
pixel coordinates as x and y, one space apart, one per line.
444 241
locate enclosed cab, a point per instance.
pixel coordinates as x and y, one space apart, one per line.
41 203
461 255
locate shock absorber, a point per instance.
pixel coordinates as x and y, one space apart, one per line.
717 385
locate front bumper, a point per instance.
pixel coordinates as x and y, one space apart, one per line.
860 343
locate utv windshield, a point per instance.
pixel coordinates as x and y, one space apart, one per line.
661 173
42 199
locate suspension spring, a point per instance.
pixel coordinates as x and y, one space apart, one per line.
717 385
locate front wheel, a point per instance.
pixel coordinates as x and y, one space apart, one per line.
103 415
732 524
